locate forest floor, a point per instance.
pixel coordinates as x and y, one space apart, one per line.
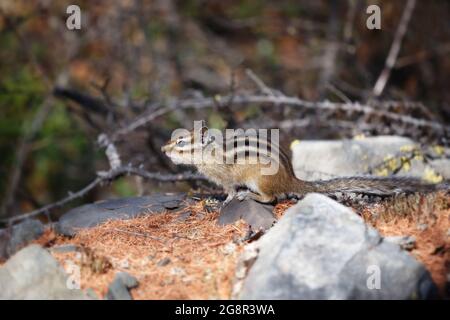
186 255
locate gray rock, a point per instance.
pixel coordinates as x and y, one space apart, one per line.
405 242
442 166
4 240
91 215
184 216
254 213
119 288
32 273
18 236
163 262
24 232
322 250
313 160
65 248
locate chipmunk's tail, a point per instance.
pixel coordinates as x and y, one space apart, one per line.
375 186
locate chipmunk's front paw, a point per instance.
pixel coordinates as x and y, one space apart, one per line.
228 199
243 195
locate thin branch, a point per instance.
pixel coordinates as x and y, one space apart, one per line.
110 151
106 176
22 153
341 95
247 99
395 49
158 109
139 234
259 83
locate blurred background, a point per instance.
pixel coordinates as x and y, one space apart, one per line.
60 88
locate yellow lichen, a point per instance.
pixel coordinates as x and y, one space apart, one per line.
432 176
406 166
439 150
391 163
382 172
408 148
294 143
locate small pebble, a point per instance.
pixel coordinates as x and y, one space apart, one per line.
163 262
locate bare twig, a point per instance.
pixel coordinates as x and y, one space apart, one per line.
247 99
341 95
104 177
395 49
139 234
110 151
158 109
22 154
259 83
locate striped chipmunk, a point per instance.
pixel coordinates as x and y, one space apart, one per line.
251 165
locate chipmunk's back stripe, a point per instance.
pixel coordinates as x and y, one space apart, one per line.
270 148
245 146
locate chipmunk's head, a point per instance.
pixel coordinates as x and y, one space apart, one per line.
186 147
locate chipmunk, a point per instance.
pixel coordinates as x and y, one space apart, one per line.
200 149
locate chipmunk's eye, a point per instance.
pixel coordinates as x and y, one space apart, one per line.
181 143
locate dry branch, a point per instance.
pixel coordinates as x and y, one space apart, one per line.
248 99
106 176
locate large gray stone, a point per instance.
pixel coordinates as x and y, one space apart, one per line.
322 250
91 215
32 273
324 159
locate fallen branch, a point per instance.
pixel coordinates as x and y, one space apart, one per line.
106 176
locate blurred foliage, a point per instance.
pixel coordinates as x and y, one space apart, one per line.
124 188
155 50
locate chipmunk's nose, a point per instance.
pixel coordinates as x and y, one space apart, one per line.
164 149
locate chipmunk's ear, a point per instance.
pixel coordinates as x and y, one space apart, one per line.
207 138
204 134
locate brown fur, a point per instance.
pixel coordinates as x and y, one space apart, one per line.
267 188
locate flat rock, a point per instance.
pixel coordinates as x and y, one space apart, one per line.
321 249
32 273
91 215
254 213
324 159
